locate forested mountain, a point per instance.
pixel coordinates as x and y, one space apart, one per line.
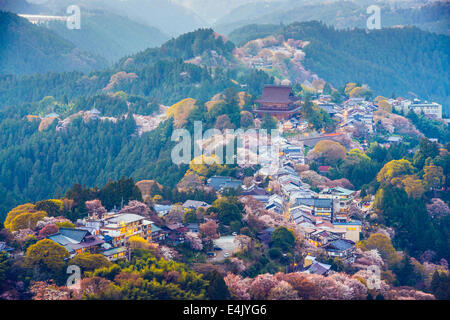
380 58
432 17
26 48
160 73
36 164
109 35
94 151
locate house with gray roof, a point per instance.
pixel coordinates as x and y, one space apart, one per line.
77 240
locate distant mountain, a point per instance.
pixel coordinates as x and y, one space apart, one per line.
166 15
212 10
26 48
110 36
431 16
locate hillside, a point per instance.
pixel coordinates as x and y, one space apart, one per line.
162 73
110 36
377 58
26 48
432 17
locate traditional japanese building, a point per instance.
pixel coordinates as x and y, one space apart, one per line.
278 101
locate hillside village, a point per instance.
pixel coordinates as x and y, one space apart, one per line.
299 216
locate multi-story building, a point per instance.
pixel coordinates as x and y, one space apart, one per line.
352 229
341 198
316 207
121 227
432 109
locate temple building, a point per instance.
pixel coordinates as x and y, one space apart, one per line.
278 101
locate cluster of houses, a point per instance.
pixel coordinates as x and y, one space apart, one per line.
322 216
109 234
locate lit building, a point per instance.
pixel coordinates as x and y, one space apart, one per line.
121 227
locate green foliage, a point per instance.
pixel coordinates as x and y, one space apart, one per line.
90 262
427 149
415 230
217 289
405 274
375 59
149 278
118 193
228 209
53 208
440 285
318 118
283 238
430 128
357 167
190 217
46 260
269 123
4 266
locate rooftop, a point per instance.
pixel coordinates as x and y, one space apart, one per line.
277 94
125 218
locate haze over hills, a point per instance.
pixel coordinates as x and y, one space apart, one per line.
431 16
26 48
168 16
110 36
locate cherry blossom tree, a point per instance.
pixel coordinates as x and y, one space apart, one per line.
238 286
283 291
95 208
194 241
48 230
209 230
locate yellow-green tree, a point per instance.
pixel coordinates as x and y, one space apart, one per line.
394 168
137 242
413 186
90 262
433 176
206 165
28 207
27 220
46 254
384 246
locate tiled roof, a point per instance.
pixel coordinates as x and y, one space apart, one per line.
277 94
318 268
340 245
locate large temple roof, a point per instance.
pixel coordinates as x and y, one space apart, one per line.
277 94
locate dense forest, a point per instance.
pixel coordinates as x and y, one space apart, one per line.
161 74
